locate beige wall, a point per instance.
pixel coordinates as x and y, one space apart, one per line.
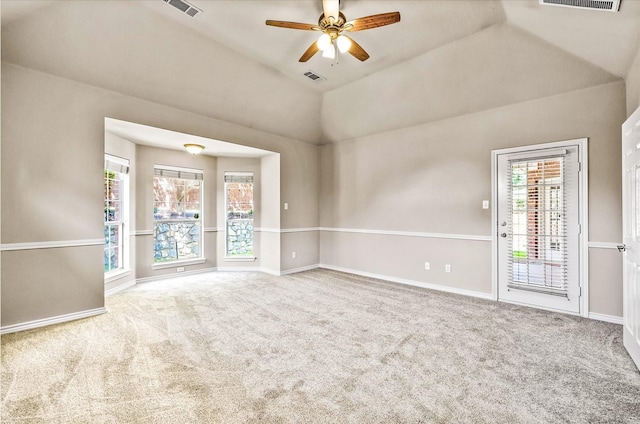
403 258
45 283
52 169
52 183
270 249
305 244
633 85
432 178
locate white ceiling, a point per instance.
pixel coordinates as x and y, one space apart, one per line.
165 139
607 40
424 25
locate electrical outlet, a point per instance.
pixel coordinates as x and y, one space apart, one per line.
286 206
485 204
447 268
180 269
427 265
293 255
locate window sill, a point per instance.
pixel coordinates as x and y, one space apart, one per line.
173 264
112 276
239 258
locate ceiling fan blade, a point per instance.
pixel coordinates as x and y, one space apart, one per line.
357 51
372 21
313 49
331 8
292 25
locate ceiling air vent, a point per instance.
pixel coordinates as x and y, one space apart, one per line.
313 76
184 7
606 5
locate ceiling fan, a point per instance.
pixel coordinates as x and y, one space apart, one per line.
333 24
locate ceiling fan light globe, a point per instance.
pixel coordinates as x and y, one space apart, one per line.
324 42
344 44
330 52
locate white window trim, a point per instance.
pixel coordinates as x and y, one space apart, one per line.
177 263
178 168
116 274
191 261
125 200
583 214
237 258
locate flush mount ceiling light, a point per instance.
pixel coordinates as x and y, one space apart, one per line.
332 24
194 149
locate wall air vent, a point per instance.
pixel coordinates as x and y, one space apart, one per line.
606 5
313 76
184 7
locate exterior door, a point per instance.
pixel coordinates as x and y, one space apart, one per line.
631 234
538 228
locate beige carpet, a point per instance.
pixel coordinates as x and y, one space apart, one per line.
316 347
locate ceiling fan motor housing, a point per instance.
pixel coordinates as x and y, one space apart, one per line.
332 26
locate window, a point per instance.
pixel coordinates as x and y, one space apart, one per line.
177 214
115 213
539 226
239 211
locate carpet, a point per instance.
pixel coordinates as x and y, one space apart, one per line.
316 347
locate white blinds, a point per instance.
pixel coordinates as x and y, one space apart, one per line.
537 244
238 177
115 164
177 173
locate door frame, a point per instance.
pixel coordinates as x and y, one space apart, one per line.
583 213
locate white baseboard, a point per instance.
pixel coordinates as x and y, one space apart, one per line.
248 269
269 271
174 275
431 286
50 321
607 318
301 269
488 296
542 308
119 288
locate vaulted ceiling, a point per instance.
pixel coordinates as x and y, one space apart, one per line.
443 59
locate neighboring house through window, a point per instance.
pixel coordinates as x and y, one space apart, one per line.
177 214
239 214
115 214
